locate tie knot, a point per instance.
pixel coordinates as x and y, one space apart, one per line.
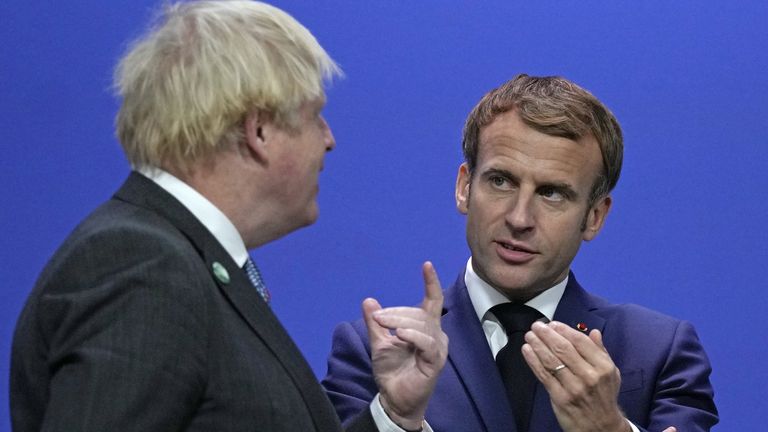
516 317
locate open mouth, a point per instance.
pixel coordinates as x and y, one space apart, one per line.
515 248
514 254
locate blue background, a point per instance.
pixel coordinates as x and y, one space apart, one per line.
686 79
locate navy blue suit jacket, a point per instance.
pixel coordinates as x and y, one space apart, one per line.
664 370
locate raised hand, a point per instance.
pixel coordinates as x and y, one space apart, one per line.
408 351
582 380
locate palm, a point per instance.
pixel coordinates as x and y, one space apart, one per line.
408 350
399 368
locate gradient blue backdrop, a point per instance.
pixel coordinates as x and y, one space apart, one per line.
686 79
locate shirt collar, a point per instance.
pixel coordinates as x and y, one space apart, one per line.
208 214
484 296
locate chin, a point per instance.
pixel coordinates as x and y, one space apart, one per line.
311 220
312 214
513 284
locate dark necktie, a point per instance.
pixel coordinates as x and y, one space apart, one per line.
255 277
518 378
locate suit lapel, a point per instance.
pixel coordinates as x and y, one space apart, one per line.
245 299
470 356
239 292
576 309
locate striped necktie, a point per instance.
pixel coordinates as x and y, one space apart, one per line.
255 277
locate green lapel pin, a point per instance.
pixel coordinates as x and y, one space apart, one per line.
220 272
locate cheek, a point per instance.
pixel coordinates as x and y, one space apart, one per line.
296 168
567 236
483 222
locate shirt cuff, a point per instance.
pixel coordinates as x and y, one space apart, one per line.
384 423
634 428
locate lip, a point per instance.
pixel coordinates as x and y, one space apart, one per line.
514 253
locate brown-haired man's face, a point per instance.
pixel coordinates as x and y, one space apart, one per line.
525 205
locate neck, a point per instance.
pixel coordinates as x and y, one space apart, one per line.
233 188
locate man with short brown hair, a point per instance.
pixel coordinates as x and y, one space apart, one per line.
531 350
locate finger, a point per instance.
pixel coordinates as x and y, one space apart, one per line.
670 429
550 383
544 354
431 349
597 338
433 292
561 349
398 321
550 360
405 311
376 332
578 338
590 348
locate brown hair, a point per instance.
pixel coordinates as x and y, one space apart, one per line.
557 107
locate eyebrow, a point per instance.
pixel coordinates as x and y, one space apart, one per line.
563 187
499 171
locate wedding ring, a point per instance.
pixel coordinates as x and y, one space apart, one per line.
557 369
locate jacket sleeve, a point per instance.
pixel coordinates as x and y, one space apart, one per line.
120 324
349 382
684 397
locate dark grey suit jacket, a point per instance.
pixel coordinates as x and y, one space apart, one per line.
128 329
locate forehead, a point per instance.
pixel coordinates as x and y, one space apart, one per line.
508 143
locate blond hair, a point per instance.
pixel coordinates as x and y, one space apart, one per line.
188 83
557 107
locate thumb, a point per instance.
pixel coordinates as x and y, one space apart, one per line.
375 331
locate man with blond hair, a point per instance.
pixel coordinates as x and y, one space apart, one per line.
151 316
531 350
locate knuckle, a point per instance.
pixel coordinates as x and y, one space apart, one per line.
574 393
592 378
560 349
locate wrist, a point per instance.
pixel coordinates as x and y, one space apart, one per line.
409 423
624 425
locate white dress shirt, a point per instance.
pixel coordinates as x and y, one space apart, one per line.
484 297
225 233
208 214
